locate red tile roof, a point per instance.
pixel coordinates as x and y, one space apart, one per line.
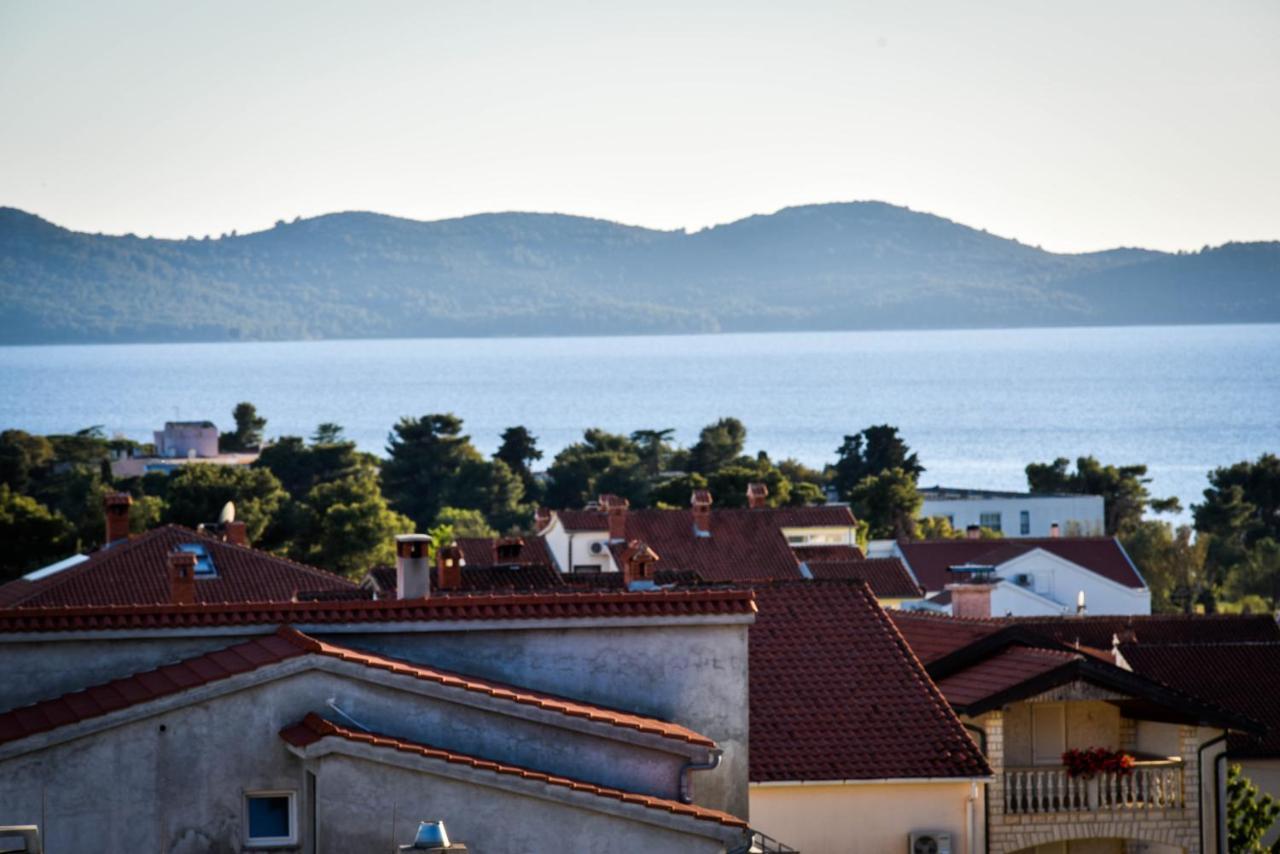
478 551
812 554
1098 631
479 579
1003 671
289 643
1241 677
930 559
313 728
932 636
525 606
135 572
888 576
837 695
820 516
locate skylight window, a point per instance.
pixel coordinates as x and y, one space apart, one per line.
204 560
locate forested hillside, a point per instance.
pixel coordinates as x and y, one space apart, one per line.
861 265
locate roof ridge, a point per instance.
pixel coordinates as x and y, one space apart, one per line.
313 727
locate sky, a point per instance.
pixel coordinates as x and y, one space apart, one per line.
1075 126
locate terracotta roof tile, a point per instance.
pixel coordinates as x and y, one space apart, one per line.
523 606
812 554
1241 677
285 644
932 636
313 728
1005 670
135 572
888 577
1098 631
930 559
836 693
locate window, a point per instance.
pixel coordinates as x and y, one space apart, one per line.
271 818
797 539
1024 522
204 561
990 520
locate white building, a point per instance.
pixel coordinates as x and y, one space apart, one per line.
1016 514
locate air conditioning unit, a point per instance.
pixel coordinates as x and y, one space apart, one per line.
929 842
599 548
1023 579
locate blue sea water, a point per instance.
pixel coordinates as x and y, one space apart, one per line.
977 405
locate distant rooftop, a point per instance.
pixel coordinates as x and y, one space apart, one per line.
956 492
204 425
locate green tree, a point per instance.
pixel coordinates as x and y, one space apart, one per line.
197 493
675 492
493 489
1250 814
327 433
301 467
875 449
889 503
1123 489
1242 501
939 528
32 534
22 457
351 527
601 462
654 448
1258 575
425 456
462 523
1172 563
519 450
728 484
718 445
248 432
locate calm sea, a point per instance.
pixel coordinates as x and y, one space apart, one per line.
976 405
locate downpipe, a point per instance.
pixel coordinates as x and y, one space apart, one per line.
686 783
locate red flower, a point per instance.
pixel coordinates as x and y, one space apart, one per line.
1095 760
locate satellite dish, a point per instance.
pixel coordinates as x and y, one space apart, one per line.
228 513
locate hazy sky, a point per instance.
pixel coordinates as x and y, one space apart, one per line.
1075 125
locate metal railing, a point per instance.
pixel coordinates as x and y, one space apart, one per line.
1151 786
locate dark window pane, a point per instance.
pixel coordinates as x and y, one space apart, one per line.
269 817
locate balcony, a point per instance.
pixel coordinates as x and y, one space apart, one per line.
1153 785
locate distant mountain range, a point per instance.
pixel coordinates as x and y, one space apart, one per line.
860 265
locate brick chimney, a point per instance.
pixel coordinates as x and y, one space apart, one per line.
235 533
541 518
182 578
700 501
1055 530
616 508
448 567
116 508
637 563
973 532
971 599
413 575
757 495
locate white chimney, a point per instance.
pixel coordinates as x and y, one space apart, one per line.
413 569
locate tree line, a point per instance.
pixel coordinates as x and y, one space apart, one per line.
322 501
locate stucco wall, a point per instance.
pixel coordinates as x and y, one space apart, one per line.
1265 774
1086 511
361 801
870 818
174 782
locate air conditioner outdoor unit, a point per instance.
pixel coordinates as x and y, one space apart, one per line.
929 842
599 548
1022 580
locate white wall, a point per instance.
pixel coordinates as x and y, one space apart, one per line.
1085 511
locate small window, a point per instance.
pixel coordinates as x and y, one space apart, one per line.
271 818
990 521
1024 522
586 568
797 539
204 561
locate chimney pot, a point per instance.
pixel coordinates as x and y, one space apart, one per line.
507 550
972 599
413 577
700 501
182 578
236 533
616 508
449 567
116 509
973 532
757 493
1055 530
637 560
541 518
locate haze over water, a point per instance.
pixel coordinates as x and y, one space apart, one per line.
977 405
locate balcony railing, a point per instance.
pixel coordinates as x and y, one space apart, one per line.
1152 786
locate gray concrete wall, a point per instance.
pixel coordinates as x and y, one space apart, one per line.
693 675
174 782
360 802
